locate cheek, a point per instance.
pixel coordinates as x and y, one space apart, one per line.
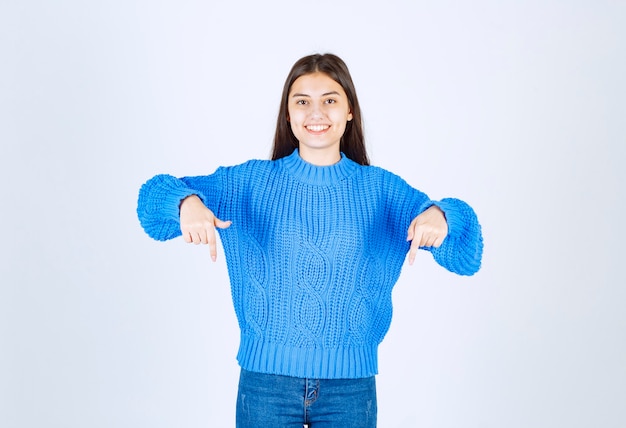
293 116
342 116
295 130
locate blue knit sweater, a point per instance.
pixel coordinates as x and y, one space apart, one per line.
313 253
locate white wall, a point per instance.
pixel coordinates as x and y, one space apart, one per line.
516 107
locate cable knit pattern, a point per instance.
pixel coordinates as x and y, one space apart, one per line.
313 253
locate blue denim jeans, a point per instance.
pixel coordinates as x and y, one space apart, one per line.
272 401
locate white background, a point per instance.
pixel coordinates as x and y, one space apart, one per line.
517 107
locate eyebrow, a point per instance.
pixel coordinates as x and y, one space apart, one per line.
324 95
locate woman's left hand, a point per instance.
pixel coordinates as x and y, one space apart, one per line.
428 229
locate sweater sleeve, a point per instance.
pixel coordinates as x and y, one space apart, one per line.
160 197
461 251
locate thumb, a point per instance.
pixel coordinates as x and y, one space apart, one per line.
222 224
411 232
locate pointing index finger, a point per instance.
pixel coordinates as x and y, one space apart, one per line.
415 243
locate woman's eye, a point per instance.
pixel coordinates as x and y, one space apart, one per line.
330 101
301 102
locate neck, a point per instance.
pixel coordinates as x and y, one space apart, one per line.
320 157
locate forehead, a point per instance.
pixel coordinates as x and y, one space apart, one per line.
315 84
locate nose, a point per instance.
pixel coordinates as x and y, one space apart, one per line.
316 110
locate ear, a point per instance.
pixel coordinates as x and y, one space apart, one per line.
350 116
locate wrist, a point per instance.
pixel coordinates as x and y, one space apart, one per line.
191 199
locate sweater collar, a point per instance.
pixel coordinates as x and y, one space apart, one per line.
318 175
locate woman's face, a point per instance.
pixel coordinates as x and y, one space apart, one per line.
318 113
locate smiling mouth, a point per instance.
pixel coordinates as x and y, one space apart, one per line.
317 128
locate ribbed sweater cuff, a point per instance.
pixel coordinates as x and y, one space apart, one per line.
451 211
317 363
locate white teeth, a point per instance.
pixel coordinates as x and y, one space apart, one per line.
317 128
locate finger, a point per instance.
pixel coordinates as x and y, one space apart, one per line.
222 224
204 236
212 243
428 241
187 237
410 232
197 238
415 244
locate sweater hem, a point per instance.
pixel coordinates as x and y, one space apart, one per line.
342 362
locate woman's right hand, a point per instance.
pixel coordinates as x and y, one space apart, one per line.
198 223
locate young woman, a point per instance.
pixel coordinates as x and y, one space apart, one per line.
314 240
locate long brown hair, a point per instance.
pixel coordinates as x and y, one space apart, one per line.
352 142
